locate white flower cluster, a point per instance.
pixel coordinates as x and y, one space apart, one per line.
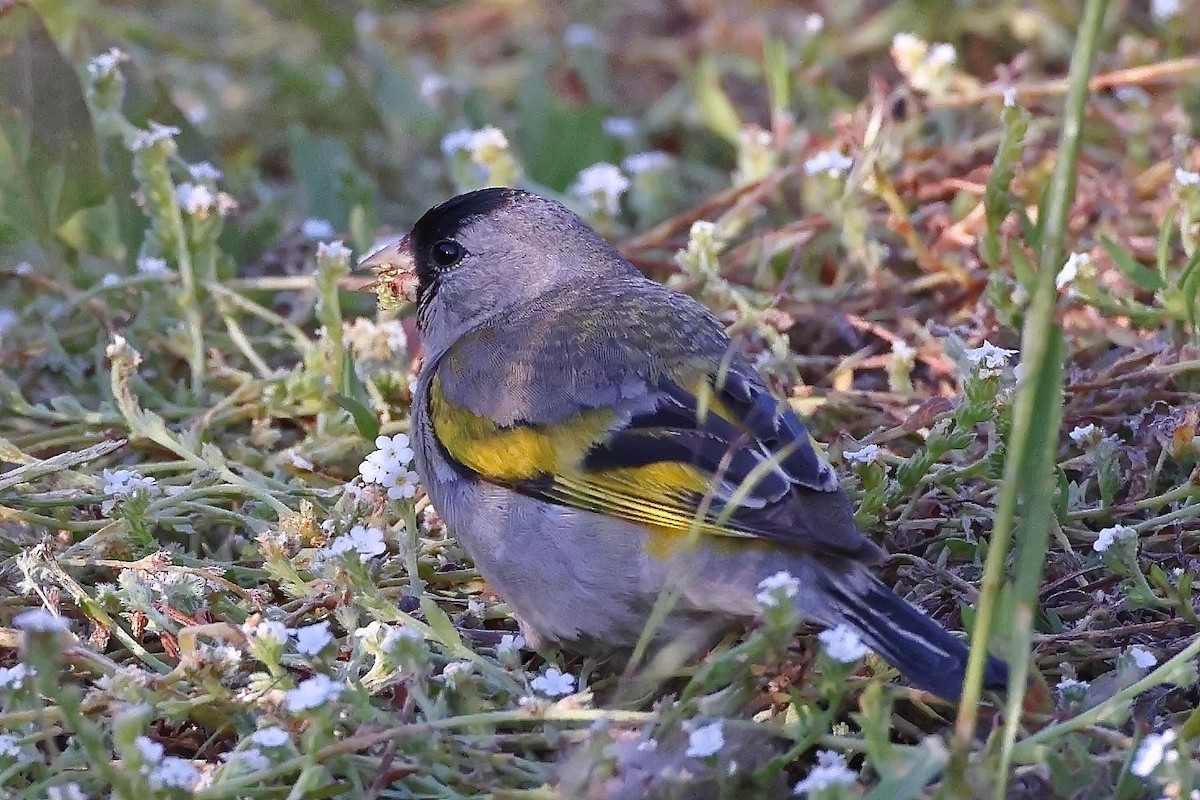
121 483
199 201
620 127
39 620
148 265
366 542
842 644
1110 536
105 64
372 340
8 318
317 229
270 737
204 171
649 161
312 693
335 251
828 162
599 187
988 359
1155 750
154 134
1085 434
830 771
9 746
1187 178
1163 10
926 68
705 740
777 589
12 677
388 466
479 144
163 771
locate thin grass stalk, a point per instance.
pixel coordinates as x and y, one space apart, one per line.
1036 414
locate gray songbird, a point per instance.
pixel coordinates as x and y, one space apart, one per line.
592 436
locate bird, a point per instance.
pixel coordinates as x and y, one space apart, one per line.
592 437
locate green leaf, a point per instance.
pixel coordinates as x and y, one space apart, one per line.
916 767
440 623
364 420
49 160
716 109
1140 274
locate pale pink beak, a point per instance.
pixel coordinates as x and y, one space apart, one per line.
394 268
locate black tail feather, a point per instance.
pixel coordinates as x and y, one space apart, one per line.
928 655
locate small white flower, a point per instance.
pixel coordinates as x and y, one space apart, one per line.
842 644
195 199
269 631
312 693
457 671
554 683
1154 750
39 620
66 791
13 677
8 318
904 353
828 162
777 589
1070 686
941 55
367 542
119 484
1010 97
1083 433
867 454
988 358
317 229
581 37
251 760
647 745
24 268
433 86
706 740
9 746
1110 536
151 266
814 24
270 737
396 449
1163 10
151 750
510 645
334 251
312 639
394 335
176 773
156 133
1070 270
650 161
1142 658
620 127
600 187
1187 178
105 64
477 143
110 279
204 171
831 770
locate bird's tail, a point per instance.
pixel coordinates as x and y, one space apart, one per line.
928 655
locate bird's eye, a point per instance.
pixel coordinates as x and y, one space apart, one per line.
447 253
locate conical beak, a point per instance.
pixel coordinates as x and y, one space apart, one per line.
395 271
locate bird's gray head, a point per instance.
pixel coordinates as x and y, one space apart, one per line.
484 252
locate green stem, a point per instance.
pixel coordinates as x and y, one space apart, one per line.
1028 466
